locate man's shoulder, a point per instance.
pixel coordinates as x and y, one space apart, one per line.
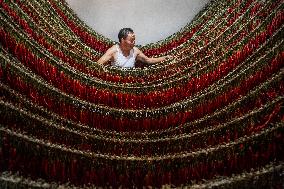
112 49
136 49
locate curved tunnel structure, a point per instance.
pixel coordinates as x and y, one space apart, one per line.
211 117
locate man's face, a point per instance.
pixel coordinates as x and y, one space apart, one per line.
129 41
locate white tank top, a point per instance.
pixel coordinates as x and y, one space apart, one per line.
123 61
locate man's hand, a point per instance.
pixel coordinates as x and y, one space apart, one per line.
168 58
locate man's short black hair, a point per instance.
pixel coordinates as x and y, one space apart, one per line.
123 33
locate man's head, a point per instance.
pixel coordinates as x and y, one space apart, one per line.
127 37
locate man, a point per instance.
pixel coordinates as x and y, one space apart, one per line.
125 53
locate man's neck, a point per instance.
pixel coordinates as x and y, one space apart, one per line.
125 50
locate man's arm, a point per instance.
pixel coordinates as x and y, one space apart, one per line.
143 58
107 56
